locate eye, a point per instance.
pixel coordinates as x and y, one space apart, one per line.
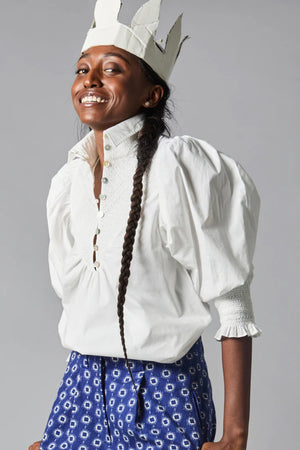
112 70
79 71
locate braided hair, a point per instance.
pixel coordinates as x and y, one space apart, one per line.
153 127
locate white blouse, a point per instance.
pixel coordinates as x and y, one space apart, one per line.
194 245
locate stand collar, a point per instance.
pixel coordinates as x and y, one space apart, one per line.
117 135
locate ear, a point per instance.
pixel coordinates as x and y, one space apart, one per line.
155 95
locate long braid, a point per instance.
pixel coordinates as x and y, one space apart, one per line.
154 126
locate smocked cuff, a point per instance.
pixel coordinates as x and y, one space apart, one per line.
238 330
236 314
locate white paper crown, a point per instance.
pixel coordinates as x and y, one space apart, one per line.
138 39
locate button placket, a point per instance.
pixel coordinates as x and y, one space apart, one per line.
96 263
102 196
101 214
106 164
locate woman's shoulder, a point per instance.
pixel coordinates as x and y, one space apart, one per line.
190 152
200 163
63 176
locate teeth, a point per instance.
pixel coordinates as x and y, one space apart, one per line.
93 98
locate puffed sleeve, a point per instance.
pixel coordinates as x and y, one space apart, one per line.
209 210
58 219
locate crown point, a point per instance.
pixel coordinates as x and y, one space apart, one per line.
106 12
148 15
173 38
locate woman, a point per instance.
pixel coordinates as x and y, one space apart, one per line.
145 230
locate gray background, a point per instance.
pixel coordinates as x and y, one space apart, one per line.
236 85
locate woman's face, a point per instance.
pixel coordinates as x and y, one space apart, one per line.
118 82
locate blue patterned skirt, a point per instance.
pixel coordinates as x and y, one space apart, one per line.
96 405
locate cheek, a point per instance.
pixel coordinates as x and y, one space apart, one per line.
130 92
133 88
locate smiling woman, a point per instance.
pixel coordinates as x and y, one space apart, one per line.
146 231
118 80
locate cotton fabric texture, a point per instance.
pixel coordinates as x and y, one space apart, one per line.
194 246
96 405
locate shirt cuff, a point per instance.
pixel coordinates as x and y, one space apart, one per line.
237 331
236 314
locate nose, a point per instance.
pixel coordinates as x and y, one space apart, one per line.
92 79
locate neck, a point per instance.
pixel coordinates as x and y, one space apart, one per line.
99 144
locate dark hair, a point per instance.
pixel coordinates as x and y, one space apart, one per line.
154 126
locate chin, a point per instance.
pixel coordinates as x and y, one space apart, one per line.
93 122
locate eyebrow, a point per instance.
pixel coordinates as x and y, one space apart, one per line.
86 55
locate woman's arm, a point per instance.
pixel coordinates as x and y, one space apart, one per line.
236 359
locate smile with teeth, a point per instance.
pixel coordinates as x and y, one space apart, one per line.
93 99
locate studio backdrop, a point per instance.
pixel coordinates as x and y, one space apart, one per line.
235 85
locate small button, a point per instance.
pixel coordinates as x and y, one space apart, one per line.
96 248
101 213
96 264
105 135
107 147
98 230
107 163
102 197
104 180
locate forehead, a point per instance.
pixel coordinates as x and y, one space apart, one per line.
101 51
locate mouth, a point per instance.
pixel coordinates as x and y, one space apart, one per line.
92 100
